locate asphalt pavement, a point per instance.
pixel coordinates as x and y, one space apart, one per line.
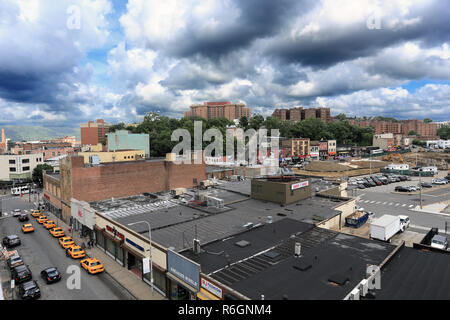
40 250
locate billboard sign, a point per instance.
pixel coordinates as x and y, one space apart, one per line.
299 185
211 287
184 269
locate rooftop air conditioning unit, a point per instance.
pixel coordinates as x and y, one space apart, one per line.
197 249
364 287
298 249
354 295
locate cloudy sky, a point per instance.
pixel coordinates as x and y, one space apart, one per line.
67 61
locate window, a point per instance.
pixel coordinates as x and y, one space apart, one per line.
12 169
26 169
194 180
12 161
25 160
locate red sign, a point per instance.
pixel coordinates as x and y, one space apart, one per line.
115 232
46 196
299 185
80 214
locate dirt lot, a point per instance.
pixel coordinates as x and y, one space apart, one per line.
438 159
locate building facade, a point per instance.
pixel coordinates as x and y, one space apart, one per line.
19 166
113 156
214 110
295 147
299 114
93 133
106 181
123 140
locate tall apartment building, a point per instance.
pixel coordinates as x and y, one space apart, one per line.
93 133
3 143
423 130
213 110
299 114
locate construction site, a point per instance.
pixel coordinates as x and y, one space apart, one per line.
358 166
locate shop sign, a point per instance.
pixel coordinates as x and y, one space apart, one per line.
184 269
215 290
133 244
46 196
299 185
115 232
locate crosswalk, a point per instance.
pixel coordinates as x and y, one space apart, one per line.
385 203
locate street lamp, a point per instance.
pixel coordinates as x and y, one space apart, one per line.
150 237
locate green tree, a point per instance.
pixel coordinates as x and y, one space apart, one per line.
412 133
341 117
243 123
444 132
427 120
37 173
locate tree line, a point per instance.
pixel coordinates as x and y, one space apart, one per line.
160 129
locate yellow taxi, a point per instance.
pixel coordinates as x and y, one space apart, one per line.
42 219
92 265
49 224
66 242
35 213
57 232
27 227
75 252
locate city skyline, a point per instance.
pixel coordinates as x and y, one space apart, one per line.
116 60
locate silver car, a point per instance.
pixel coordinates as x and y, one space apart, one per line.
17 212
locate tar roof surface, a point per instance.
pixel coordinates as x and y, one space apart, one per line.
217 255
326 255
416 275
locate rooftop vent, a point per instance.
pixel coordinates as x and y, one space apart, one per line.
302 265
339 279
273 255
242 243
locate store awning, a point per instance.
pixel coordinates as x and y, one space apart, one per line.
205 295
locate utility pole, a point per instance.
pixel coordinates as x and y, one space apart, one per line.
420 189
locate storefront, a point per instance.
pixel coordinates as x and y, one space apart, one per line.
129 249
52 204
83 218
184 277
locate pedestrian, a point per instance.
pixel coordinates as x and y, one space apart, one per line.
83 246
89 244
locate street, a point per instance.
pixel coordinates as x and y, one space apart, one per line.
381 200
40 250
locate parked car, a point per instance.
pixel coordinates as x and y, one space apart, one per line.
29 290
11 241
403 178
14 261
23 217
27 228
51 275
17 212
426 185
402 189
377 182
361 186
439 181
371 183
383 180
92 265
21 274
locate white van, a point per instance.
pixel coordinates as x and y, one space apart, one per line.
429 169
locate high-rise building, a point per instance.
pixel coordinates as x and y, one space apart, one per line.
213 110
3 143
93 133
299 114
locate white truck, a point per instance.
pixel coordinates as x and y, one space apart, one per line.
439 242
385 227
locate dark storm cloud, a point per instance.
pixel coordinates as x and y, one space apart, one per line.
336 43
259 19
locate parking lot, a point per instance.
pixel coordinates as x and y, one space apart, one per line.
40 250
384 200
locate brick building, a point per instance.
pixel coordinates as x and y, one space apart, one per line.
115 180
93 133
295 147
213 110
299 114
423 130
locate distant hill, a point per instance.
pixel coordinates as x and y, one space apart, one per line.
30 133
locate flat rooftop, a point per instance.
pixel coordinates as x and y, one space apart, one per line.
416 275
330 266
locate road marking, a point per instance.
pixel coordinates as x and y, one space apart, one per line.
403 205
385 202
372 201
378 202
397 204
424 228
411 205
390 204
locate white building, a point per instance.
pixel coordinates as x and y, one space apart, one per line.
19 166
399 166
444 144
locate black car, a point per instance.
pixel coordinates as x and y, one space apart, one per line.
51 275
23 217
29 290
403 178
377 181
383 180
371 183
402 189
361 186
14 261
11 241
21 274
426 185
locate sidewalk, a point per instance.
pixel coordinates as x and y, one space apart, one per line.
434 208
138 288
